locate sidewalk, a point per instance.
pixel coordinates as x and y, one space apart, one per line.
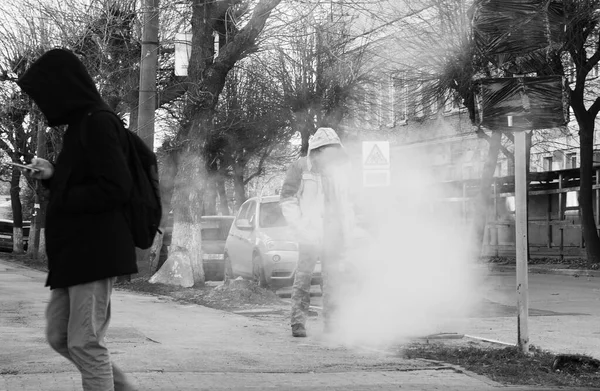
574 331
167 346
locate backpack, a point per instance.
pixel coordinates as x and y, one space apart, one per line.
144 209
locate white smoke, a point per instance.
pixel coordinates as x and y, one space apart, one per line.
415 274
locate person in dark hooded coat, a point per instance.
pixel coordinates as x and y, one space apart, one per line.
88 240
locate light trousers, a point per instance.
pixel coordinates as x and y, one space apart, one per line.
77 320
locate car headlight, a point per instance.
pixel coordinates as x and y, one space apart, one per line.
282 246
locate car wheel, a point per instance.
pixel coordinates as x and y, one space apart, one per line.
258 272
228 270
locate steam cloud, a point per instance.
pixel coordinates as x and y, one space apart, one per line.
414 276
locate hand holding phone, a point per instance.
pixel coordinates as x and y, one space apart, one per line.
43 168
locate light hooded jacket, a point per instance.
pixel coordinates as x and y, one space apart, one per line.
87 234
309 196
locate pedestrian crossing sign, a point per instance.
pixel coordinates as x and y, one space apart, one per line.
376 163
376 154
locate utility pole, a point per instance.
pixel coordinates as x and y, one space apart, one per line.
147 95
148 65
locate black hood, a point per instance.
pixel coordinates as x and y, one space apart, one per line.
60 85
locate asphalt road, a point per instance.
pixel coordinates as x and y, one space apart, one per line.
548 294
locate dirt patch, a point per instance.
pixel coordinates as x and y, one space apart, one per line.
508 365
566 263
236 296
25 260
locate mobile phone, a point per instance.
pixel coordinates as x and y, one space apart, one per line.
23 166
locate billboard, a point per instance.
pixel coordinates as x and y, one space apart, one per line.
517 26
522 103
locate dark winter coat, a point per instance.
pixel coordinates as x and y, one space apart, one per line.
87 234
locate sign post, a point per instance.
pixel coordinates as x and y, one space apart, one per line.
520 105
529 102
522 243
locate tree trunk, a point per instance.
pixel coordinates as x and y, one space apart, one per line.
210 203
223 202
39 213
42 256
33 242
588 225
306 129
484 200
184 264
167 174
239 189
17 211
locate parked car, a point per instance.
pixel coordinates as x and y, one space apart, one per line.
6 234
261 246
214 233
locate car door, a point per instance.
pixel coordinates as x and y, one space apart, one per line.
236 245
247 237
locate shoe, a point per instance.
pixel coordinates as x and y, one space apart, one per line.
298 330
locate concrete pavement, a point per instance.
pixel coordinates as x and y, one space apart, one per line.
166 346
564 318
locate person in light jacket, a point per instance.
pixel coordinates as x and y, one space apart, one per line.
315 200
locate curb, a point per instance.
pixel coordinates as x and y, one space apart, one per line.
545 270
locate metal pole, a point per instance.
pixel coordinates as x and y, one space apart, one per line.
148 66
522 249
598 201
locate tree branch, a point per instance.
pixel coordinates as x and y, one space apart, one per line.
595 108
243 42
261 164
505 151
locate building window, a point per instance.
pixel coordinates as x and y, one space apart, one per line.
510 204
468 172
431 103
572 200
547 163
571 160
382 103
499 169
399 106
450 104
419 99
511 167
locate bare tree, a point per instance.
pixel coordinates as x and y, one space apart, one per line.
324 70
252 121
207 73
582 54
23 34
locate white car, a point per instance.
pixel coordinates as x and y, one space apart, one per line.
261 246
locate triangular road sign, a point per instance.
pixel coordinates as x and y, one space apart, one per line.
376 157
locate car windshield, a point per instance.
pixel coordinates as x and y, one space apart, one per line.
271 216
215 229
